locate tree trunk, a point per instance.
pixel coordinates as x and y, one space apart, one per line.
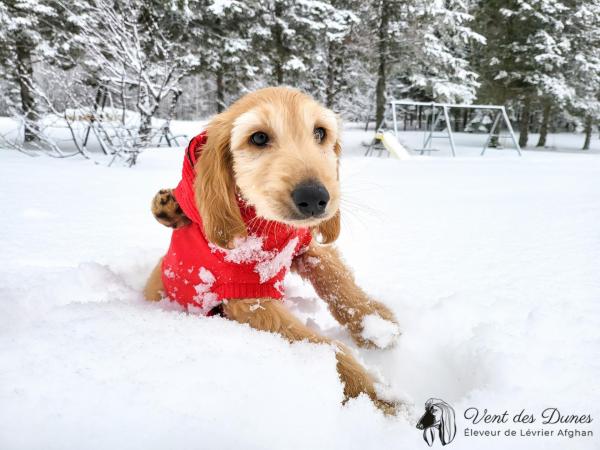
173 105
588 132
146 113
330 88
381 75
524 126
544 127
220 90
24 72
336 68
145 130
279 45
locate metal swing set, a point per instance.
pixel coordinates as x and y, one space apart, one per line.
440 112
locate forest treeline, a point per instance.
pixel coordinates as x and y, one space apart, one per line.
189 58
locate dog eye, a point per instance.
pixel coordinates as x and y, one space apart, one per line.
319 134
259 139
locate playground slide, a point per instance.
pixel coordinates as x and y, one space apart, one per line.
392 145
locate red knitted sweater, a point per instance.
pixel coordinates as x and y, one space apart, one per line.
197 273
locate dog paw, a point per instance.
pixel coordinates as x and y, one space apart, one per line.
167 211
389 402
379 332
392 402
375 327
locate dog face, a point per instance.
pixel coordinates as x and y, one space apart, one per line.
284 159
278 149
432 417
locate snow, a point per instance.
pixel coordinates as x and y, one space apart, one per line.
218 6
381 332
490 265
267 264
56 128
204 297
169 273
245 250
270 267
294 64
471 144
206 276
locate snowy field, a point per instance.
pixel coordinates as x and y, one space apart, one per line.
490 264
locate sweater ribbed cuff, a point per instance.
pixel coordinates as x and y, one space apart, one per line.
241 291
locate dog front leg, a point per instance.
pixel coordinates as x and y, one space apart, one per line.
370 323
271 315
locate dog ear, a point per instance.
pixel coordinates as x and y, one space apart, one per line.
447 425
337 148
215 187
329 230
429 435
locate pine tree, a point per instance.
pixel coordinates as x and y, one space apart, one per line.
339 50
383 44
525 54
438 62
226 31
423 46
293 38
583 67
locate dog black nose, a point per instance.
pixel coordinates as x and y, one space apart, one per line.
310 198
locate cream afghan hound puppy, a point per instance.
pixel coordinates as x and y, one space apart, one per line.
277 152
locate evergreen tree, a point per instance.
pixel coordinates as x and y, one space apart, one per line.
226 31
583 67
539 56
438 61
299 42
339 49
525 54
423 46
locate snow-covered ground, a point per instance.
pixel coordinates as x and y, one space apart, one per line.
490 264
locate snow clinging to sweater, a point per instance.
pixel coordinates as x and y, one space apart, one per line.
204 297
270 267
267 263
246 250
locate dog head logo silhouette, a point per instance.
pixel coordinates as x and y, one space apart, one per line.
438 418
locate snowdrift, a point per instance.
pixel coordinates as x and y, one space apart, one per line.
491 266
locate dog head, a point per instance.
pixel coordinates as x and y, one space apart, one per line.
278 150
439 416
